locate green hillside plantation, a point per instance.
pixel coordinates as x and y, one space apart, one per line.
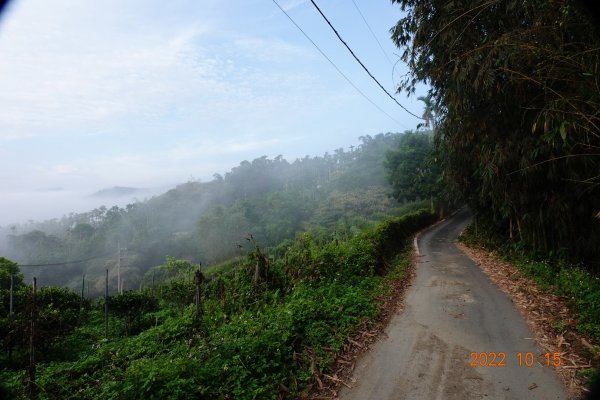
263 330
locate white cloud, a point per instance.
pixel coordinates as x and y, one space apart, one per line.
56 84
271 50
52 81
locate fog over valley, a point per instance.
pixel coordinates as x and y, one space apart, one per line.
137 229
38 205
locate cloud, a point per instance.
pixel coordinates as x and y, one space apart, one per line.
60 78
271 50
56 79
97 93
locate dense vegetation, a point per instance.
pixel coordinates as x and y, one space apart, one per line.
263 330
206 223
514 90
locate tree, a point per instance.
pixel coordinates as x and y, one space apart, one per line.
516 85
428 112
411 168
9 268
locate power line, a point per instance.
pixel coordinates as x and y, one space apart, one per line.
360 62
62 263
336 67
372 33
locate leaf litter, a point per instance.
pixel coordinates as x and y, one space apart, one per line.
547 315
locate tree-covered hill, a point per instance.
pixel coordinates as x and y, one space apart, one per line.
206 222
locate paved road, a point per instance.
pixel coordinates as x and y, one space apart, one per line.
451 310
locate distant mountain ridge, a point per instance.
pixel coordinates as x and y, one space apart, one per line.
118 191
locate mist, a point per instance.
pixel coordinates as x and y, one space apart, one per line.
21 207
132 231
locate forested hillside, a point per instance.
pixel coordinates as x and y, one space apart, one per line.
207 223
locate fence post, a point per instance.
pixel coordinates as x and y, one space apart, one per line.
106 306
32 388
153 282
198 279
10 312
257 272
82 293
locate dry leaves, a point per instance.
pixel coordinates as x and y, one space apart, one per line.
544 313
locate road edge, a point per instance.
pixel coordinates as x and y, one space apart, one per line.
418 234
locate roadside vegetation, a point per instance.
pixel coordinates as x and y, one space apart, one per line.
263 330
244 287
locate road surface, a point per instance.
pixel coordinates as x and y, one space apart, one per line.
452 310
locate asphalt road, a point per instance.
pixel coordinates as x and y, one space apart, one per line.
451 310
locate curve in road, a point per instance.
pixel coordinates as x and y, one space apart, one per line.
451 311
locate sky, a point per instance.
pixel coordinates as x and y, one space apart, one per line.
148 93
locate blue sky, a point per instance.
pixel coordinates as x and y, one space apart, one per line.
151 93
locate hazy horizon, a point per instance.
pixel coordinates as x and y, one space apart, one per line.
42 205
151 94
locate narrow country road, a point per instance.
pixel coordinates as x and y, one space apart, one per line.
452 310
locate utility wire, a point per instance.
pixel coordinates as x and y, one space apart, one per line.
62 263
360 62
372 33
336 67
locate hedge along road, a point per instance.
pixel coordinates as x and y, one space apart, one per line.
451 311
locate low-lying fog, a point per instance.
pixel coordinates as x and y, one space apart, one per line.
40 205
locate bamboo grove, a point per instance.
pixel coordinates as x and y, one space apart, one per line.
515 85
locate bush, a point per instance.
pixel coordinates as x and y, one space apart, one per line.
132 307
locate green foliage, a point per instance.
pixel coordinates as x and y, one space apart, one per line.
260 339
133 307
412 169
58 314
518 129
9 268
177 269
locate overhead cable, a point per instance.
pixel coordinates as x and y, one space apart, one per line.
62 263
360 62
336 67
372 33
